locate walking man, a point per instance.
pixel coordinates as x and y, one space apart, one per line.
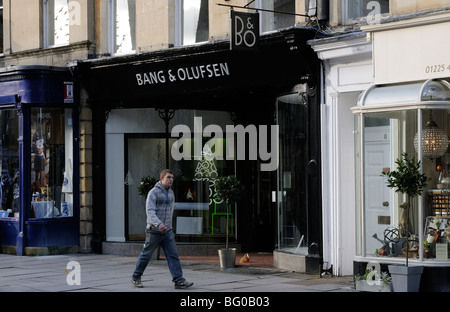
159 207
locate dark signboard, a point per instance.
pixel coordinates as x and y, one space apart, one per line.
201 75
244 31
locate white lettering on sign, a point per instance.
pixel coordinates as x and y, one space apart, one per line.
183 74
248 37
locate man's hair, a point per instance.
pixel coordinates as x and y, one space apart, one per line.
164 172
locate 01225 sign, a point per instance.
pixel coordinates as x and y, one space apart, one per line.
244 31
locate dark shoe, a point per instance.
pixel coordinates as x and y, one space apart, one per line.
137 283
183 285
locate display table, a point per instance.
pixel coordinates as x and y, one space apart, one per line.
44 209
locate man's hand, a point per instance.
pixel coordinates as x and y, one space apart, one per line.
163 228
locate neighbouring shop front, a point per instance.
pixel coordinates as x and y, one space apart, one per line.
39 211
405 111
203 97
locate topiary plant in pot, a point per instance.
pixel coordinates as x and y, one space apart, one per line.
409 180
229 189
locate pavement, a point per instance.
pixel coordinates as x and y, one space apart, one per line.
111 273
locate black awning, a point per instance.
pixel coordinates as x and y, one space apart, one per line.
201 75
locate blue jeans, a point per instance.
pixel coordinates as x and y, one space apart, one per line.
167 243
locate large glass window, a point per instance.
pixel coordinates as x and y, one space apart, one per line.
386 222
56 23
276 19
199 215
198 210
123 26
51 163
9 165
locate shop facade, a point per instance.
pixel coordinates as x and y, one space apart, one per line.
398 105
39 168
185 108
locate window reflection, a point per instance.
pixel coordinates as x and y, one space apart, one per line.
195 21
363 8
58 22
124 26
277 20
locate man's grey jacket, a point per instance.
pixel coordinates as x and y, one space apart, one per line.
159 205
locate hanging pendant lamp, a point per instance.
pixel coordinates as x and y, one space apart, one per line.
434 140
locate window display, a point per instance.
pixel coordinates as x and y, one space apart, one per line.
9 165
392 223
51 163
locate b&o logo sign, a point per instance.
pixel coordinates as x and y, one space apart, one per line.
244 31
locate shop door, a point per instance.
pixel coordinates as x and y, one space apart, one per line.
292 200
377 196
145 157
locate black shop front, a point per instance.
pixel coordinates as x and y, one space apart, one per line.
138 102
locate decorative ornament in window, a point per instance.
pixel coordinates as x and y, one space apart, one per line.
434 140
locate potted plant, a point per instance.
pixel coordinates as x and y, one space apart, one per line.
409 180
229 189
372 281
147 183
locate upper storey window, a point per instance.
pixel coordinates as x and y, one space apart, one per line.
56 22
277 19
357 11
122 26
192 21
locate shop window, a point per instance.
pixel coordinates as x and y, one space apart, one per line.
51 163
198 213
122 19
9 165
357 11
386 137
192 21
56 22
276 19
387 223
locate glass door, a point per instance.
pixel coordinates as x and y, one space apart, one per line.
292 116
146 157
